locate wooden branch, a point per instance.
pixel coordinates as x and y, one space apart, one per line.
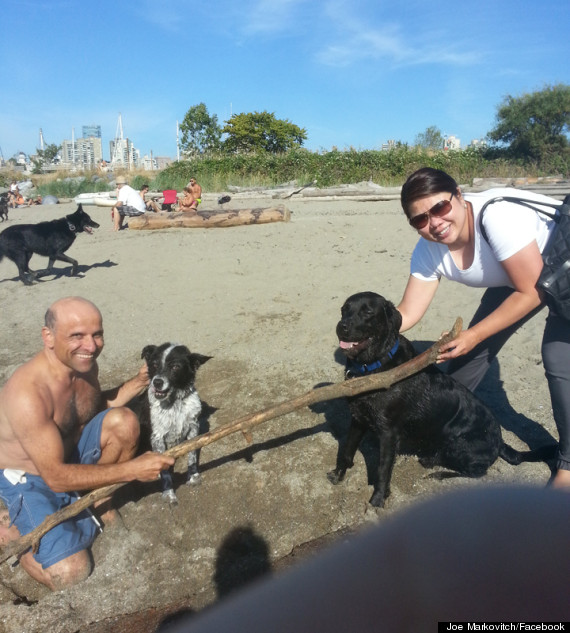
346 388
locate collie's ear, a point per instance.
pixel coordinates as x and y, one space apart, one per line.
393 316
148 351
199 359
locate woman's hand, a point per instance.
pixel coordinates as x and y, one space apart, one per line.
462 344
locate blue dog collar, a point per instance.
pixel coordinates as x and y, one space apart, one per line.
357 369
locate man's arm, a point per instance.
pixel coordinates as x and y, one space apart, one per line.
31 417
120 395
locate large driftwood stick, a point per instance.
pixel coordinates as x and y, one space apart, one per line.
209 219
330 392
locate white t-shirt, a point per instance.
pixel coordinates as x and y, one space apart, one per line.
510 227
131 198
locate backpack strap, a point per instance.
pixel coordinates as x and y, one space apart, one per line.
562 208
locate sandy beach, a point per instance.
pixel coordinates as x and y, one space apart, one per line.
263 301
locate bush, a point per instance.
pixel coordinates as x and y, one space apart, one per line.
336 167
387 168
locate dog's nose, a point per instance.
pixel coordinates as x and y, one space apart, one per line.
342 328
158 383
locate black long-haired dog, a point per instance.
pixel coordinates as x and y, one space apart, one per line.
50 239
428 414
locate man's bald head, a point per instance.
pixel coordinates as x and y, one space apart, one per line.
68 305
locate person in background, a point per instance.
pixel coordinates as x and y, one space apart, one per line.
188 203
129 203
151 204
13 194
196 192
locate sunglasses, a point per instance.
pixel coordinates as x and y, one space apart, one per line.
443 207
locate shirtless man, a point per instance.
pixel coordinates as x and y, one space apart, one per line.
196 191
60 433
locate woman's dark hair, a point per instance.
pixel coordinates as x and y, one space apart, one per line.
425 182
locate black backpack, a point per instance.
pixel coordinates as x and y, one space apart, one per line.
554 280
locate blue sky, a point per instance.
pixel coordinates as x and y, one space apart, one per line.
353 73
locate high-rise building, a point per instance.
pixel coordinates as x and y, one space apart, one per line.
124 153
91 130
84 153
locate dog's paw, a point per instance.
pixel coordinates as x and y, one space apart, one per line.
194 479
378 499
170 497
335 477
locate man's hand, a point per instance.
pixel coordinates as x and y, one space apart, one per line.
142 377
121 395
147 466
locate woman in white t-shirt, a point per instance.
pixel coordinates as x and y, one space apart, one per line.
508 265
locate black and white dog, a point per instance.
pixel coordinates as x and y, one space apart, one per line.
173 407
428 414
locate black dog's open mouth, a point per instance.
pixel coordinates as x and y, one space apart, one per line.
88 229
351 348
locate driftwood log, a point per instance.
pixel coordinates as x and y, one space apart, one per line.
209 219
346 388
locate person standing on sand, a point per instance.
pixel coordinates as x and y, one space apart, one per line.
60 433
508 265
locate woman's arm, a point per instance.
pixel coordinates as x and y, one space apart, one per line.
523 269
416 300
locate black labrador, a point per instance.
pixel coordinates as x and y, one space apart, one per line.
50 239
428 414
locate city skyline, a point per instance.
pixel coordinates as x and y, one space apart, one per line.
87 151
353 74
72 147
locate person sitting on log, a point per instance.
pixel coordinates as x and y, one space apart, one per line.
196 192
151 204
129 203
188 203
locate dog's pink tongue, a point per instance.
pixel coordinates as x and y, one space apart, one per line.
345 344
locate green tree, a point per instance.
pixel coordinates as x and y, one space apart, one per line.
535 124
432 138
200 132
45 157
261 131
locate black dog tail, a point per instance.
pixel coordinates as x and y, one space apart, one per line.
541 454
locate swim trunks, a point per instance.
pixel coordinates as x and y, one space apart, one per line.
129 211
30 501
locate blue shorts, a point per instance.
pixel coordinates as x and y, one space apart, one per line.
31 502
